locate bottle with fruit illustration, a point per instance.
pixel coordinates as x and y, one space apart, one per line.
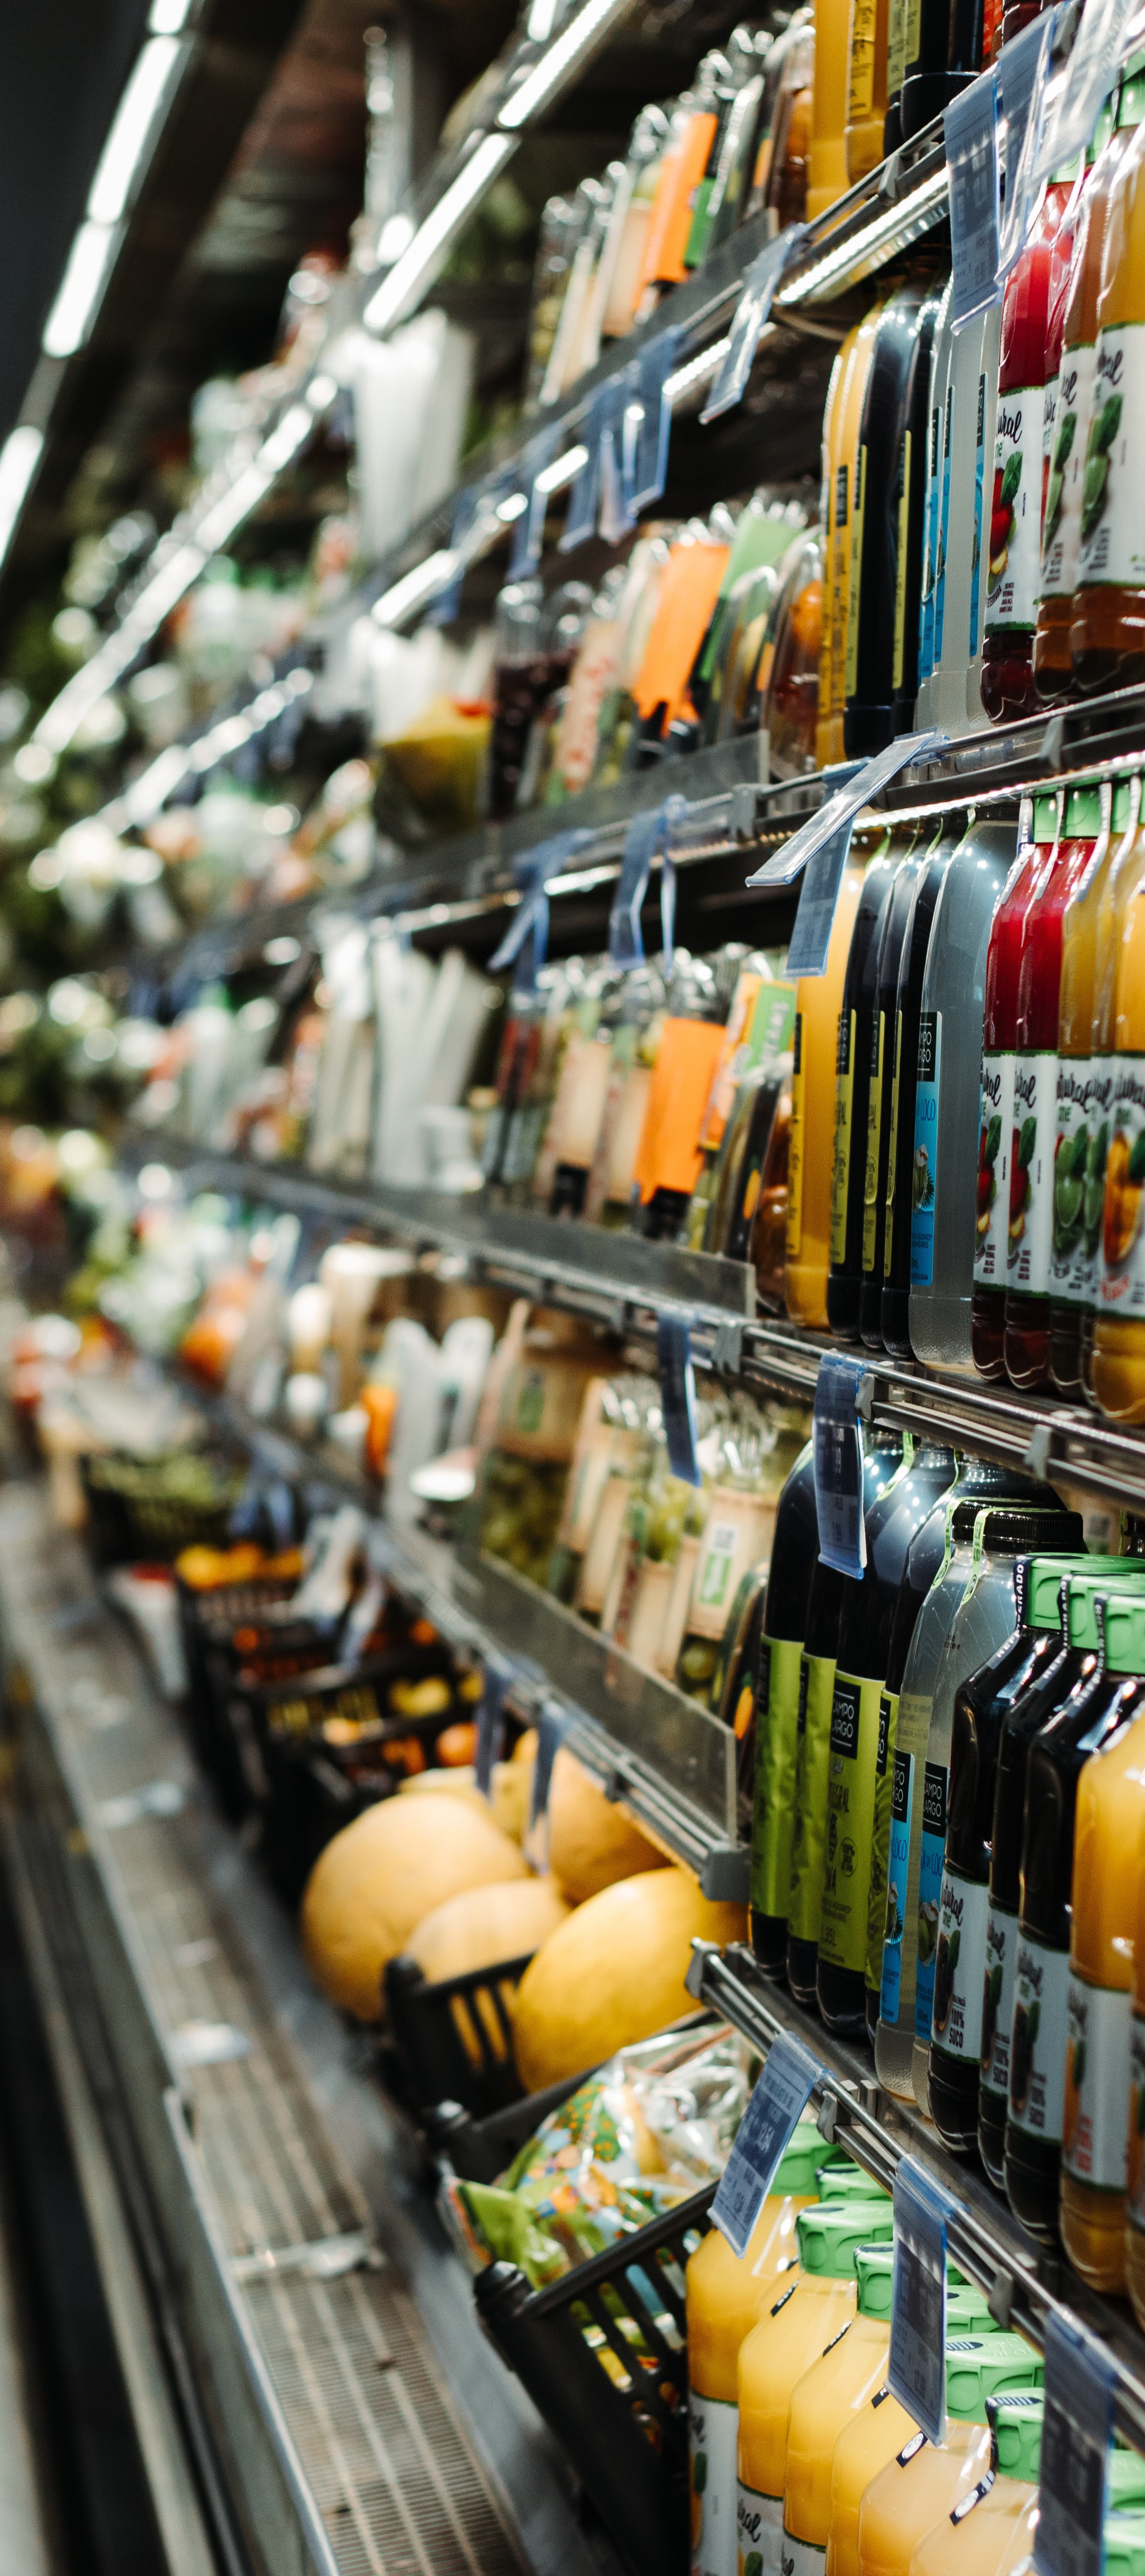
1083 1090
1016 507
1118 1371
1033 1134
1037 830
1072 403
1107 637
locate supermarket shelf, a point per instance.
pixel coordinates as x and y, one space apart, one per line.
1025 2283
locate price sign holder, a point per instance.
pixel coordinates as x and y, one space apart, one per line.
859 787
970 126
650 462
552 1727
647 835
781 2093
678 1394
580 516
1076 2432
530 922
837 1453
751 313
1023 71
818 896
529 529
499 1679
916 2372
1089 78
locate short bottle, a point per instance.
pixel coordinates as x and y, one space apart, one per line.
971 2541
923 2483
784 2344
1065 512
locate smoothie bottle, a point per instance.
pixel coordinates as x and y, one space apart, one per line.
1118 1368
793 1558
870 2440
817 1003
1107 637
857 1016
1016 502
1106 1861
1135 2175
1073 412
921 2484
1079 1154
970 2541
944 1181
1033 1135
1037 831
881 1087
900 1150
838 2386
793 2334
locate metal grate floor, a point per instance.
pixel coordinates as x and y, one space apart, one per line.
397 2479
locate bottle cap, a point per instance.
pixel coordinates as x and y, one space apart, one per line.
801 2159
968 2310
874 2271
1124 1621
982 2366
847 2181
1083 1593
1045 1582
1016 2429
1045 818
1082 814
1122 805
1015 1528
831 2233
1124 2480
1123 2544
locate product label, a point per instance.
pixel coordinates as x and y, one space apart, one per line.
713 2431
1015 515
976 592
902 1799
896 39
737 1535
776 1739
851 1779
841 1163
1113 498
943 529
880 1845
1122 1282
998 1999
852 680
1135 2200
871 1166
796 1143
601 1552
960 1968
1095 2121
862 55
1050 395
901 564
912 36
924 1177
892 1154
931 1858
1061 534
1085 1087
1038 2040
813 1748
801 2557
995 1122
759 2532
1033 1136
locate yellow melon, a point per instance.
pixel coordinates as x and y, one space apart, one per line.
591 1841
485 1925
377 1880
507 1803
614 1972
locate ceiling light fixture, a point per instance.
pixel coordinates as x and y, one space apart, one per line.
133 126
566 51
434 237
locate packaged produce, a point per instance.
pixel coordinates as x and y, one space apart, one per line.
737 1536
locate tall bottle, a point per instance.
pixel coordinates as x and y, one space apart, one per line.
866 86
881 570
784 2345
1037 832
881 1086
924 2483
837 583
833 497
936 500
943 1198
1016 501
817 1006
827 161
895 1312
1108 1822
1135 2177
1026 1340
968 440
1107 635
794 1556
942 54
857 1014
1073 411
1083 1100
1117 980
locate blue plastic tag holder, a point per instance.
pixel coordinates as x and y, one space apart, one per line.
678 1395
1076 2430
499 1679
916 2371
751 314
781 2093
970 127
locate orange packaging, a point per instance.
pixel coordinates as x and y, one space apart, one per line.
668 1156
681 171
727 1073
689 590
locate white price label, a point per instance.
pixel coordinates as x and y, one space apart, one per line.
780 2095
917 2369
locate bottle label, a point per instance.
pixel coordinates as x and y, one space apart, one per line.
841 1165
862 51
1038 2039
736 1536
902 1799
713 2433
1095 2124
943 526
800 2557
1135 2200
874 1121
851 1779
1122 1284
924 1176
796 1143
931 1858
902 563
852 678
998 1999
1085 1086
960 1969
995 1123
976 588
912 36
759 2532
1061 533
880 1844
1113 499
1015 515
809 1835
776 1739
1033 1136
892 1156
896 39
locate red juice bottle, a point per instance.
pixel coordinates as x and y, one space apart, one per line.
1019 476
1029 1252
1036 835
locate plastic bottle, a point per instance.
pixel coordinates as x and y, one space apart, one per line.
946 1130
813 1117
1073 407
1026 1338
869 2442
1079 1155
857 1015
793 1558
954 698
911 502
1037 832
932 594
1107 636
881 586
1121 884
895 1311
866 86
725 2296
970 2541
1016 502
922 2483
831 534
1106 1861
1135 2176
1118 1373
837 584
985 441
693 123
827 160
896 44
841 2382
942 51
881 1086
784 2344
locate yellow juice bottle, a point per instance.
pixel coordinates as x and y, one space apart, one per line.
827 160
921 2483
866 86
879 2429
1124 876
828 2397
832 441
725 2296
1077 1188
970 2541
1135 2179
1123 2544
1108 1827
1119 1331
811 1152
785 2343
837 569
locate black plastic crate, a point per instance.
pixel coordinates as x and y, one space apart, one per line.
208 1621
624 2429
480 2150
130 1516
451 2040
311 1789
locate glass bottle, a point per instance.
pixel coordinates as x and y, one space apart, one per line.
881 1086
1072 409
878 586
1037 831
1083 1100
1116 923
1106 646
866 86
813 1117
944 1181
1016 500
837 582
857 1015
942 53
895 1311
932 593
794 1556
1026 1340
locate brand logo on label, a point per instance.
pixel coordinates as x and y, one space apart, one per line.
1025 1088
1069 388
1109 364
845 1720
749 2523
934 1799
1010 424
1030 1970
995 1937
952 1905
991 1086
899 1788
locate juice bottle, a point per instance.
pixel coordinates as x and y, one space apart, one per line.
784 2344
932 593
942 51
1106 1859
1118 1376
882 2426
882 1458
881 590
1082 1101
693 122
841 2383
1016 501
862 1734
911 504
968 439
895 1309
827 161
943 1197
985 440
996 1113
1123 877
1135 2175
837 569
813 1116
737 150
1026 1338
727 78
866 86
852 1088
793 1559
896 45
1107 649
881 1085
1099 1705
1073 410
905 2500
725 2296
831 449
970 2541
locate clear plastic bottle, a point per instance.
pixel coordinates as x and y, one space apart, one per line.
785 2344
947 1098
922 2483
895 1311
1083 1098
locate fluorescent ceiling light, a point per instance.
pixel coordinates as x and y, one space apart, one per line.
81 287
433 237
169 17
19 458
132 128
538 86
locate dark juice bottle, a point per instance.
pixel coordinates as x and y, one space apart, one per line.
895 1311
1107 637
1033 1135
794 1556
881 1088
909 502
996 1113
878 524
1016 504
862 1739
857 1017
1096 1708
942 53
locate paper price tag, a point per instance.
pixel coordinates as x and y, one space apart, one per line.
837 1455
1076 2431
917 2368
499 1679
970 126
782 2092
818 896
678 1395
865 782
751 313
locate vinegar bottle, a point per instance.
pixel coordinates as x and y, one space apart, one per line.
816 1037
1073 404
1036 833
1016 500
1118 1370
1079 1154
1103 1920
852 1091
1107 637
1033 1137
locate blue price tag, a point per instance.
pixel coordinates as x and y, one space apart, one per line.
837 1452
1023 71
678 1395
616 514
650 463
552 1727
1076 2430
1092 69
527 937
751 313
818 896
782 2092
499 1679
529 529
916 2371
866 782
647 834
970 126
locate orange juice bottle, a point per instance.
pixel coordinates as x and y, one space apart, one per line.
1081 1081
970 2541
1135 2178
827 165
1107 637
1119 1330
812 1147
844 2379
921 2483
1125 875
785 2343
880 2428
1109 1821
725 2296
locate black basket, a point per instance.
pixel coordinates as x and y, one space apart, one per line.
480 2150
451 2040
130 1516
626 2435
312 1788
208 1621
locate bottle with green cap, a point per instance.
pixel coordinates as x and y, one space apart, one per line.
880 2429
838 2386
789 2337
1037 832
921 2484
1026 1347
1121 886
982 1702
1123 2544
970 2540
1094 1713
1083 1099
